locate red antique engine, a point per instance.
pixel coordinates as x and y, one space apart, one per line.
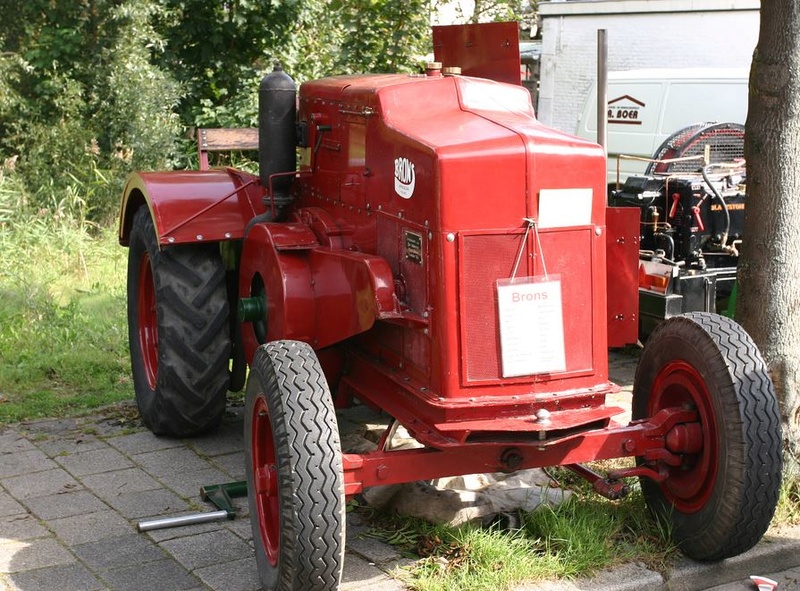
440 255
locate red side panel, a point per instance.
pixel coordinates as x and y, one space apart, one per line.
487 50
270 267
622 242
350 291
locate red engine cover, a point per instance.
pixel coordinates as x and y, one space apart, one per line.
441 178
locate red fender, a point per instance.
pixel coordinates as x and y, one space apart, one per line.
193 206
314 293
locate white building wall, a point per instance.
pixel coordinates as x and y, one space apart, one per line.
641 34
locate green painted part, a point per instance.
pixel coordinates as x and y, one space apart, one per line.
252 309
730 311
220 495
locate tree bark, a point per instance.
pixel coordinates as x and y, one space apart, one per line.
769 268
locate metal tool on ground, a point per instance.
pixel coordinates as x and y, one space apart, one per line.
220 495
217 494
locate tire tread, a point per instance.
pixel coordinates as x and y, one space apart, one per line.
750 427
193 336
310 469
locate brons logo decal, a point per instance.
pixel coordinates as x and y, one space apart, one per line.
404 177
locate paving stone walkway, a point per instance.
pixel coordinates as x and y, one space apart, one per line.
72 492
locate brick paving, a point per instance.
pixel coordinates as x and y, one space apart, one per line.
73 490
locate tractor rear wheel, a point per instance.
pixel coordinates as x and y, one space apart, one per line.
295 482
178 332
719 501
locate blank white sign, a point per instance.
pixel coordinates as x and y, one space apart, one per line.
560 208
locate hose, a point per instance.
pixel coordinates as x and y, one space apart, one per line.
716 193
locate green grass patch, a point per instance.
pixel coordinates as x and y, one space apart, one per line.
63 327
471 559
589 533
585 534
788 510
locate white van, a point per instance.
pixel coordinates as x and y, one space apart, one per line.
645 107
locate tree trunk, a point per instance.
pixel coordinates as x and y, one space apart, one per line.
769 268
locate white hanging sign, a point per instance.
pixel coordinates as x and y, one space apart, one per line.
531 325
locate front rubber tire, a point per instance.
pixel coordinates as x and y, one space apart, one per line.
178 331
295 482
720 501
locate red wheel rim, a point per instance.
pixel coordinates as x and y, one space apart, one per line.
265 480
688 486
148 321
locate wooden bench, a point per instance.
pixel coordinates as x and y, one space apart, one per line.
222 139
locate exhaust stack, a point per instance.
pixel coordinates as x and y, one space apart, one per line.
277 135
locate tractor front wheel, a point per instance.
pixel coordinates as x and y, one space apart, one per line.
295 482
178 332
720 500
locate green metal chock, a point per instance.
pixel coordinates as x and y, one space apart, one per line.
220 495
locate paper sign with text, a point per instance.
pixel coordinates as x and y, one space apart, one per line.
531 325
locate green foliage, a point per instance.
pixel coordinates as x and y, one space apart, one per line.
220 51
216 50
502 10
383 35
483 11
82 100
63 344
788 510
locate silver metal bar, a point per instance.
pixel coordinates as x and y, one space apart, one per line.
602 88
192 519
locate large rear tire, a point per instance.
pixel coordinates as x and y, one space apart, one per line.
178 332
295 482
719 501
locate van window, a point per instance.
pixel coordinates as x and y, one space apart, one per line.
634 109
704 101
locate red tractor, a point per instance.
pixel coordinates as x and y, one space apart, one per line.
436 253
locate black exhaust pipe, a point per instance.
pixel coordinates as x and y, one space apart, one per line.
277 133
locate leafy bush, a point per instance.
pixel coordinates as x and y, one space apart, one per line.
388 36
82 103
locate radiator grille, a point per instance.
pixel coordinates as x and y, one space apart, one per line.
485 259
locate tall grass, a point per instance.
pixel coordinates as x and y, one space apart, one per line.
578 538
788 509
63 340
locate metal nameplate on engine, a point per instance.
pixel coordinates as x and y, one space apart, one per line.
413 242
